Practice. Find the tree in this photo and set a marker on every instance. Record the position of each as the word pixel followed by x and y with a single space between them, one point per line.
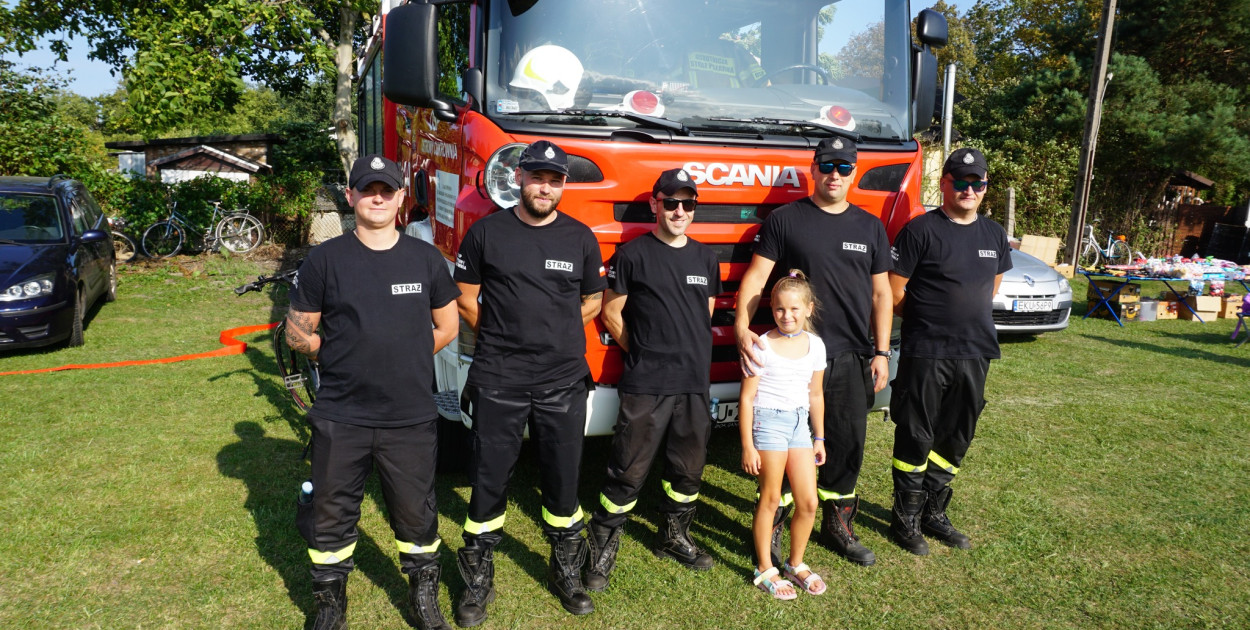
pixel 36 136
pixel 180 60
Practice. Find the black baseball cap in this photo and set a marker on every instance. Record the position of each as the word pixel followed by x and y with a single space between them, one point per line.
pixel 544 156
pixel 375 168
pixel 673 180
pixel 837 149
pixel 965 162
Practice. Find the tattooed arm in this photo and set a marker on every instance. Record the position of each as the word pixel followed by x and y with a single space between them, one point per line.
pixel 591 304
pixel 301 332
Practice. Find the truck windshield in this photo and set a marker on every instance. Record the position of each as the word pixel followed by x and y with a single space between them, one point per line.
pixel 703 65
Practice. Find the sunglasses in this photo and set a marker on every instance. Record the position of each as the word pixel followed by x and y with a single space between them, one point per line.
pixel 686 204
pixel 828 167
pixel 961 185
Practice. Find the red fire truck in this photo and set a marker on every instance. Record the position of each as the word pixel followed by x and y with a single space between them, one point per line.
pixel 738 92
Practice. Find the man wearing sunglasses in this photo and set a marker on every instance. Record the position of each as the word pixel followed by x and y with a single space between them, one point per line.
pixel 844 251
pixel 662 287
pixel 947 267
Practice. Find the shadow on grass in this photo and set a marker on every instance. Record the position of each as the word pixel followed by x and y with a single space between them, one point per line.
pixel 1184 353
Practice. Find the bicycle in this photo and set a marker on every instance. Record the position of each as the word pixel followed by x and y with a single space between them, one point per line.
pixel 300 375
pixel 124 249
pixel 1116 252
pixel 238 232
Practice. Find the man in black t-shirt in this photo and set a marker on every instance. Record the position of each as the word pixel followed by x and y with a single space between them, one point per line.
pixel 540 277
pixel 845 253
pixel 947 267
pixel 662 287
pixel 375 293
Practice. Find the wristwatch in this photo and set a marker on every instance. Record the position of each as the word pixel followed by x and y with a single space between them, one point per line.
pixel 883 353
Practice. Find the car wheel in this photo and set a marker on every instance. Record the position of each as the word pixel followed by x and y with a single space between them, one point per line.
pixel 75 335
pixel 110 295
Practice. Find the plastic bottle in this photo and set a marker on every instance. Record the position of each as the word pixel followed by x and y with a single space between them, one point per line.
pixel 305 492
pixel 713 408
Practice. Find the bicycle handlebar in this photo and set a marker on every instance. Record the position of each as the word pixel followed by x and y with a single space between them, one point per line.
pixel 282 278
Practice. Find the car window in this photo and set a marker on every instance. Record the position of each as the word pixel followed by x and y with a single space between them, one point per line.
pixel 95 216
pixel 78 216
pixel 29 218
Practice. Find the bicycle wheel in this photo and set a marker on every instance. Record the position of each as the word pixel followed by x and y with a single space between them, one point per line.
pixel 162 240
pixel 240 232
pixel 1119 254
pixel 300 375
pixel 1089 257
pixel 124 249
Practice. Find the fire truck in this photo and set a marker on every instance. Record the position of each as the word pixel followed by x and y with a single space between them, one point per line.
pixel 737 92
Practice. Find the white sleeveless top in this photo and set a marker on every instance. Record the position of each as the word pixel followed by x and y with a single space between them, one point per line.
pixel 784 382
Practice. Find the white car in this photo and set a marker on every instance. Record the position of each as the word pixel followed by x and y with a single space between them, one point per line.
pixel 1033 298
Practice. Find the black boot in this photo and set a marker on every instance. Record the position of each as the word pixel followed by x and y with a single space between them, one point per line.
pixel 837 531
pixel 564 572
pixel 935 524
pixel 477 566
pixel 673 540
pixel 423 596
pixel 779 525
pixel 905 521
pixel 604 542
pixel 331 599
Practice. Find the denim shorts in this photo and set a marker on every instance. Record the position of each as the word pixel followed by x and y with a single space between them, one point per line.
pixel 781 429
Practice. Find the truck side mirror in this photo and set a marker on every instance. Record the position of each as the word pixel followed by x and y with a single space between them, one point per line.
pixel 410 62
pixel 931 30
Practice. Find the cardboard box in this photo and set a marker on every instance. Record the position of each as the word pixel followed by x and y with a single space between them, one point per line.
pixel 1231 307
pixel 1127 312
pixel 1045 248
pixel 1130 294
pixel 1167 309
pixel 1208 308
pixel 1065 270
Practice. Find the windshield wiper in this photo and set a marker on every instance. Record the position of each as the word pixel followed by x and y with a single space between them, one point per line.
pixel 5 241
pixel 650 121
pixel 849 135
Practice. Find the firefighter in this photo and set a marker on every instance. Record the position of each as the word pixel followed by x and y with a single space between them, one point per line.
pixel 662 288
pixel 845 252
pixel 375 293
pixel 540 278
pixel 947 267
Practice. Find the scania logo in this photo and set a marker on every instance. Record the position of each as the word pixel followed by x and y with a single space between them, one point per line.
pixel 719 174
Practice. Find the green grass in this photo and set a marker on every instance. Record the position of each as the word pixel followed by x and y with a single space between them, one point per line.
pixel 1106 488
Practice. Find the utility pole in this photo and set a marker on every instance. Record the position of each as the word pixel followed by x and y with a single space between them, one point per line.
pixel 1093 116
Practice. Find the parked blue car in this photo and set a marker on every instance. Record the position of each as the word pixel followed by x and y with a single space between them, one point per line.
pixel 56 260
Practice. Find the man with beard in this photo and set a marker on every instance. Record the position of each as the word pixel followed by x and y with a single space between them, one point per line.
pixel 844 251
pixel 539 274
pixel 658 307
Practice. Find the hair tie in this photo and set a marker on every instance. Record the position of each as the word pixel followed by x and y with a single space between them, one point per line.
pixel 793 275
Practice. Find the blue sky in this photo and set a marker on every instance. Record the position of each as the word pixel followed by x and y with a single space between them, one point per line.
pixel 92 78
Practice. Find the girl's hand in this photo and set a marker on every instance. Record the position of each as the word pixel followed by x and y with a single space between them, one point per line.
pixel 751 460
pixel 819 448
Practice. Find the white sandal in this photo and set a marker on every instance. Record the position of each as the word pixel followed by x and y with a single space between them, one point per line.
pixel 765 583
pixel 813 585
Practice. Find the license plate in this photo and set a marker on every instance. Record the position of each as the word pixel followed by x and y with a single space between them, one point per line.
pixel 1032 306
pixel 726 414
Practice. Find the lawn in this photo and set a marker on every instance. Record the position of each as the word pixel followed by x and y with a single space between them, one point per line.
pixel 1105 489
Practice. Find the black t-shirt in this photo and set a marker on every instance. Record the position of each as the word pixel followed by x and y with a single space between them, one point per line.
pixel 839 253
pixel 948 313
pixel 530 331
pixel 377 351
pixel 666 314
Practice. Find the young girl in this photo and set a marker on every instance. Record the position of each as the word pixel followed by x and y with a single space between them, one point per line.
pixel 776 406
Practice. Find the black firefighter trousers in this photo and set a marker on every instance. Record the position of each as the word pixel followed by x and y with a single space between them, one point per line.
pixel 935 404
pixel 343 456
pixel 683 424
pixel 557 423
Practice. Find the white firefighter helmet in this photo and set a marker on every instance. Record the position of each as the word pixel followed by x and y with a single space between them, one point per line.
pixel 552 71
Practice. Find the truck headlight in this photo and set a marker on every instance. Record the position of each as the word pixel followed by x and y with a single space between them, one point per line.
pixel 500 175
